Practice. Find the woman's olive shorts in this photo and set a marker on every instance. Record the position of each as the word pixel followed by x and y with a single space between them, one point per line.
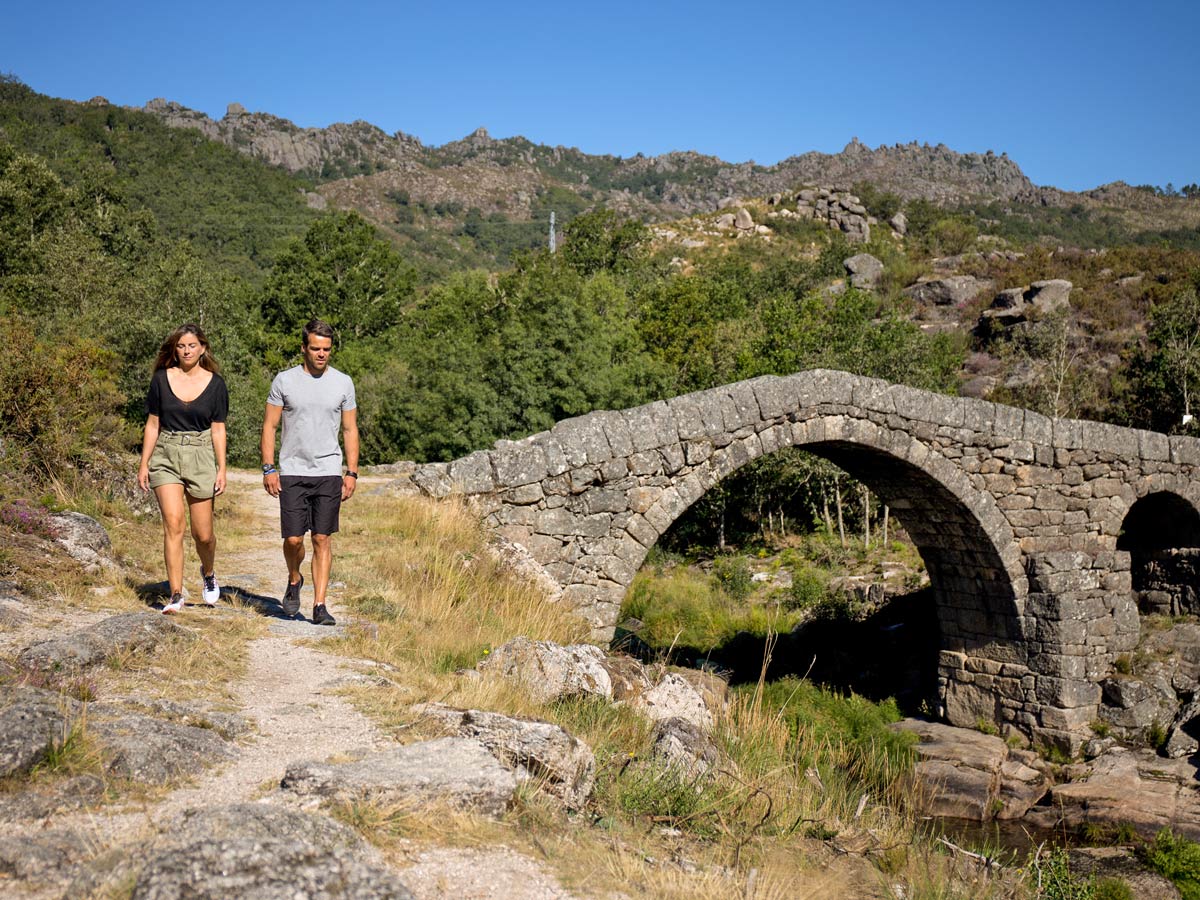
pixel 187 458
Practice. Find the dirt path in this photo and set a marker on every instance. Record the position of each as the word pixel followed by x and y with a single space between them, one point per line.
pixel 288 694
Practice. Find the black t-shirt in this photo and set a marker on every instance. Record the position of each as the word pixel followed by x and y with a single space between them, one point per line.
pixel 196 415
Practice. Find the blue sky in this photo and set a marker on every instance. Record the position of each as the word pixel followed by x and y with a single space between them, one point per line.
pixel 1078 93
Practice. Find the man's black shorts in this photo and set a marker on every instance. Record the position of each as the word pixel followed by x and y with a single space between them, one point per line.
pixel 309 503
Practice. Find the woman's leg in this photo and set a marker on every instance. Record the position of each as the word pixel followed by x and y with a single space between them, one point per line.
pixel 201 512
pixel 171 505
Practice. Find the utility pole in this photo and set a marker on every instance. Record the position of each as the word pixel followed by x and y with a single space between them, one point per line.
pixel 552 246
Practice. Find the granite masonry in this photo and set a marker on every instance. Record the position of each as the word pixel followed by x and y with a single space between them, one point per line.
pixel 1031 528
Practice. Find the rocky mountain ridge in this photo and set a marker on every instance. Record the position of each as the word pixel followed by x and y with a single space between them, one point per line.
pixel 676 183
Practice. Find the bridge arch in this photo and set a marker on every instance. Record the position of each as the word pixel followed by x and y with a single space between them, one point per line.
pixel 1161 533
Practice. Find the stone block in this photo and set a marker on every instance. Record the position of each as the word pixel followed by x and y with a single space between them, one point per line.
pixel 519 462
pixel 651 426
pixel 1072 719
pixel 739 406
pixel 642 531
pixel 524 495
pixel 598 500
pixel 1105 438
pixel 583 440
pixel 473 474
pixel 773 396
pixel 645 463
pixel 688 419
pixel 1185 450
pixel 1037 429
pixel 1067 693
pixel 672 458
pixel 1153 446
pixel 696 452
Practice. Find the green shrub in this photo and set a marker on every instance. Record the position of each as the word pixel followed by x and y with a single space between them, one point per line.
pixel 1178 859
pixel 808 589
pixel 59 401
pixel 733 575
pixel 1052 879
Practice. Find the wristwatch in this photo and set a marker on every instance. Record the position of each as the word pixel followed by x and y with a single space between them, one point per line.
pixel 268 469
pixel 353 475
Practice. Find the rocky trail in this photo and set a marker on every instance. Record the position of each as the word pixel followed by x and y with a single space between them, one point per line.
pixel 289 714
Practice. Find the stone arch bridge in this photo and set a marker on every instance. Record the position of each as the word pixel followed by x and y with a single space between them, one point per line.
pixel 1024 522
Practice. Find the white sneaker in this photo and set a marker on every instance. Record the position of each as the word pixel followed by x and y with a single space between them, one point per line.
pixel 174 605
pixel 211 590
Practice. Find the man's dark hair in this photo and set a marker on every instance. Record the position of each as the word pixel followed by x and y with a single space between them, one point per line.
pixel 317 327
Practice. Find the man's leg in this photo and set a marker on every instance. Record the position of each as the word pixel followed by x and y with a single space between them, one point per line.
pixel 293 555
pixel 322 564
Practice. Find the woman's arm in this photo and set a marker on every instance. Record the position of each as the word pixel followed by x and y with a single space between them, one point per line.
pixel 149 439
pixel 219 441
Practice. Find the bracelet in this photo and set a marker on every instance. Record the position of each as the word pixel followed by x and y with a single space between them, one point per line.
pixel 353 475
pixel 268 469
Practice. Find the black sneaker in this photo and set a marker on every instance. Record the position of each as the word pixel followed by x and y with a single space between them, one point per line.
pixel 321 616
pixel 291 598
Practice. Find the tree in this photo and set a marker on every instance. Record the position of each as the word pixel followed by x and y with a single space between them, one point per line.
pixel 602 240
pixel 339 272
pixel 1175 331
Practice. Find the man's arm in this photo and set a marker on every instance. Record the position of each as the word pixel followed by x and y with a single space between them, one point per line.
pixel 350 440
pixel 267 445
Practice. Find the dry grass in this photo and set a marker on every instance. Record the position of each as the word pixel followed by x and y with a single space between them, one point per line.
pixel 421 572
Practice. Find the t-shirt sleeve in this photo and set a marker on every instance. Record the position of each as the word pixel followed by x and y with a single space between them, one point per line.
pixel 275 395
pixel 348 401
pixel 220 410
pixel 154 396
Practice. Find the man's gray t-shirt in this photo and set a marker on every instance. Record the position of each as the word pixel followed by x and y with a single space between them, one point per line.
pixel 312 419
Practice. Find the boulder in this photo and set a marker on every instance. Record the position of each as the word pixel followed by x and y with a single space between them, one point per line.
pixel 712 688
pixel 83 538
pixel 32 721
pixel 952 290
pixel 1130 706
pixel 458 771
pixel 154 751
pixel 725 221
pixel 1183 735
pixel 684 748
pixel 1135 787
pixel 899 223
pixel 964 774
pixel 1049 296
pixel 743 220
pixel 628 676
pixel 43 856
pixel 550 671
pixel 124 633
pixel 537 751
pixel 674 697
pixel 864 270
pixel 249 850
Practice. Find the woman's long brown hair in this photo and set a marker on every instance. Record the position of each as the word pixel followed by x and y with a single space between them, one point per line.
pixel 166 353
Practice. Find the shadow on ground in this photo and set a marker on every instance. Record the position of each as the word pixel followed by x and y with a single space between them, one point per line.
pixel 891 653
pixel 155 594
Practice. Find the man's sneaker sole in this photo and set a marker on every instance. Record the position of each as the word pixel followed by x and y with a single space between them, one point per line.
pixel 210 597
pixel 291 598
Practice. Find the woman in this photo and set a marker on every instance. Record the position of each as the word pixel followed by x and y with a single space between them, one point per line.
pixel 183 453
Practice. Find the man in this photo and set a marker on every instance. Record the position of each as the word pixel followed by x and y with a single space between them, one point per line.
pixel 314 401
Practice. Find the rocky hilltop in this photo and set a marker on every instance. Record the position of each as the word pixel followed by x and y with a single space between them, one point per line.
pixel 491 173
